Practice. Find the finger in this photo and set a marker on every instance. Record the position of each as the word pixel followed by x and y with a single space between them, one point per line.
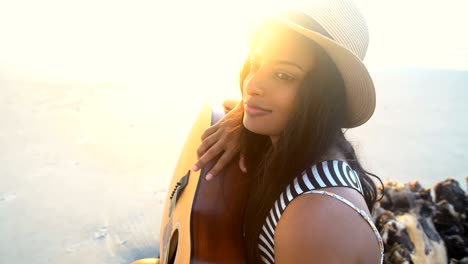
pixel 207 143
pixel 242 164
pixel 209 131
pixel 220 164
pixel 209 155
pixel 229 104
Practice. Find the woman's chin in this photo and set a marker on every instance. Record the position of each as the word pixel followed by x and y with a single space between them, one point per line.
pixel 255 127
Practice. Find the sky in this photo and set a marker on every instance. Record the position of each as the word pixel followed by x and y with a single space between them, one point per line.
pixel 154 42
pixel 417 33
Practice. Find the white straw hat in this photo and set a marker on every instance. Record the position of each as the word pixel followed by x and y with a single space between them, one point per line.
pixel 341 30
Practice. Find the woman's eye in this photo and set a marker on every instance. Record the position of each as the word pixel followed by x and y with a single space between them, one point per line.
pixel 284 76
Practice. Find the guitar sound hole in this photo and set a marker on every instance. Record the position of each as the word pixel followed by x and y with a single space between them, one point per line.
pixel 173 246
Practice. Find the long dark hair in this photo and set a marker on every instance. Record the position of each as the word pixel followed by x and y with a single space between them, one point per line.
pixel 314 127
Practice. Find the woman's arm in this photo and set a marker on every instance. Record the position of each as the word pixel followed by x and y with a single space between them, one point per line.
pixel 222 137
pixel 319 229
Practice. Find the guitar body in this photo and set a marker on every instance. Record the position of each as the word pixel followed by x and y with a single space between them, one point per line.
pixel 202 220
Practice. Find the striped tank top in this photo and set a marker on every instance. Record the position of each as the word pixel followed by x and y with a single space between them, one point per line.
pixel 329 173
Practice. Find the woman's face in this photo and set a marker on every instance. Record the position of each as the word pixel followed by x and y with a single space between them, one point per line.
pixel 278 66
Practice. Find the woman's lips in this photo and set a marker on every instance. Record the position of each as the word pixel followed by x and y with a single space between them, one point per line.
pixel 255 111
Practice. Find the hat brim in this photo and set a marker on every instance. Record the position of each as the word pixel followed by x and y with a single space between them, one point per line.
pixel 360 90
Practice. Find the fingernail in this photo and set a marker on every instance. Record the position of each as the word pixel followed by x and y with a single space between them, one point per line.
pixel 195 167
pixel 209 176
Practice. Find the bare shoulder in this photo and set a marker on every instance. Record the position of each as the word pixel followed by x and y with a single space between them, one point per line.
pixel 323 229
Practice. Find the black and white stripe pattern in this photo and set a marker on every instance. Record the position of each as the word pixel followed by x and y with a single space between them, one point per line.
pixel 330 173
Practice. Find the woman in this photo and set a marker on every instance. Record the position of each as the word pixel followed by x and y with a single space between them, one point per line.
pixel 309 199
pixel 302 83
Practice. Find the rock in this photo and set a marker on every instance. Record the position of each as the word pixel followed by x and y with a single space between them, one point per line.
pixel 450 218
pixel 397 198
pixel 417 229
pixel 398 245
pixel 397 255
pixel 450 191
pixel 462 261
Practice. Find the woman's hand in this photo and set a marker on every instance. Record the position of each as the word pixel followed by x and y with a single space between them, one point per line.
pixel 224 136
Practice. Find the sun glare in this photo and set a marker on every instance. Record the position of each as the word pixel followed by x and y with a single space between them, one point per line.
pixel 196 47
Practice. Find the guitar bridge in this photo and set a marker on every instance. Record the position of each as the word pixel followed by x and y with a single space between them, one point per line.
pixel 178 188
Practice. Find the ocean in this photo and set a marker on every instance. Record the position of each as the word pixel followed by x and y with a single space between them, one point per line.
pixel 419 130
pixel 84 168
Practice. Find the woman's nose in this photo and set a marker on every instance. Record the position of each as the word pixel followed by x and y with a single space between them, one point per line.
pixel 255 86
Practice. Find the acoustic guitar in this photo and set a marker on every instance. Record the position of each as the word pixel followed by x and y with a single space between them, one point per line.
pixel 202 220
